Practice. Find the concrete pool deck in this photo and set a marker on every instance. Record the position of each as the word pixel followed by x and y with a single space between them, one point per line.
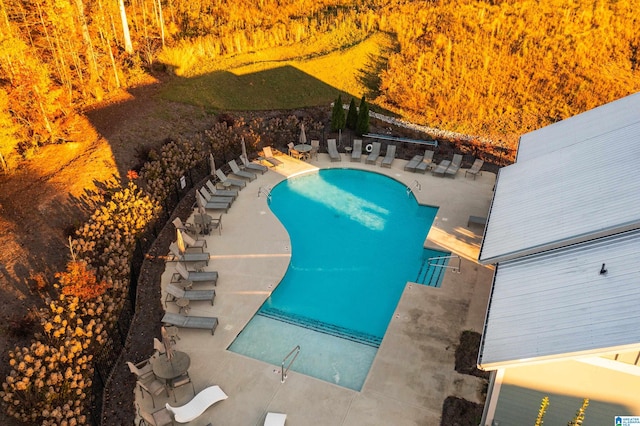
pixel 413 371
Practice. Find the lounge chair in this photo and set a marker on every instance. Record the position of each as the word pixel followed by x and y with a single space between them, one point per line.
pixel 372 158
pixel 315 148
pixel 275 419
pixel 253 166
pixel 426 163
pixel 192 243
pixel 211 205
pixel 233 193
pixel 203 323
pixel 197 261
pixel 230 182
pixel 413 163
pixel 441 168
pixel 475 168
pixel 174 293
pixel 235 169
pixel 334 155
pixel 356 154
pixel 198 405
pixel 389 156
pixel 214 198
pixel 269 158
pixel 187 278
pixel 454 166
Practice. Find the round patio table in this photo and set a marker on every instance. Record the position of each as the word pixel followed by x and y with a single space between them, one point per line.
pixel 169 369
pixel 303 148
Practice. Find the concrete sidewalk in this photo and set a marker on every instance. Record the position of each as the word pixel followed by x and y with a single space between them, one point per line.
pixel 413 371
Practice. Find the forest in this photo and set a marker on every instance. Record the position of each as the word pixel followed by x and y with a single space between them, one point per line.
pixel 492 69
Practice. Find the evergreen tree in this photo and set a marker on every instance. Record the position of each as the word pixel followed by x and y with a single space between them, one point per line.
pixel 338 119
pixel 362 126
pixel 352 115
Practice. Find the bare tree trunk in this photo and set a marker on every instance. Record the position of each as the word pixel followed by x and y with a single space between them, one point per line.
pixel 91 57
pixel 106 40
pixel 128 47
pixel 161 22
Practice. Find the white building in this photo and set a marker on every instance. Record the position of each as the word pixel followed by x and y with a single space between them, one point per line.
pixel 563 318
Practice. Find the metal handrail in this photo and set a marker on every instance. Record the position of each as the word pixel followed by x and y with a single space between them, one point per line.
pixel 265 190
pixel 452 256
pixel 285 371
pixel 414 184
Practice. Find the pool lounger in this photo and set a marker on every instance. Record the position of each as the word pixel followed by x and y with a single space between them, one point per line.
pixel 203 323
pixel 198 405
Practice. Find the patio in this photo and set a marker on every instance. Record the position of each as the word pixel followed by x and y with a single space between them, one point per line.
pixel 413 371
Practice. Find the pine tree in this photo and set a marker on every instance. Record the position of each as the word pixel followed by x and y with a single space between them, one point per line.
pixel 338 119
pixel 362 126
pixel 352 115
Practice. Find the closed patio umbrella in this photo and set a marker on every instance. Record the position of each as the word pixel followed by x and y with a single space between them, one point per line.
pixel 244 150
pixel 212 165
pixel 303 135
pixel 180 241
pixel 166 341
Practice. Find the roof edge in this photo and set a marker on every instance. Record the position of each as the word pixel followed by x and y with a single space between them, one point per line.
pixel 488 366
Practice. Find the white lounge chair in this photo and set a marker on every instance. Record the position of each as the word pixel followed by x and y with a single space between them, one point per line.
pixel 275 419
pixel 235 169
pixel 426 163
pixel 203 323
pixel 227 181
pixel 356 154
pixel 389 156
pixel 475 168
pixel 198 405
pixel 454 166
pixel 233 193
pixel 269 158
pixel 372 158
pixel 174 292
pixel 334 155
pixel 186 278
pixel 253 166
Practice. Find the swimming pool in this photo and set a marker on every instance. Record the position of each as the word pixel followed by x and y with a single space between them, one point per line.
pixel 357 238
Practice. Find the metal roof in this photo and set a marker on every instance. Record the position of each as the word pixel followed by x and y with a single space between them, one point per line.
pixel 607 118
pixel 567 195
pixel 557 304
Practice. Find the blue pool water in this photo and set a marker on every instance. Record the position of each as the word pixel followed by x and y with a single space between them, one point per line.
pixel 356 238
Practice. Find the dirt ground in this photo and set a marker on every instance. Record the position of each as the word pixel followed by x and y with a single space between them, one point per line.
pixel 51 194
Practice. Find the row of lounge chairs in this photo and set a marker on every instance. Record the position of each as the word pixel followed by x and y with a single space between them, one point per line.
pixel 356 153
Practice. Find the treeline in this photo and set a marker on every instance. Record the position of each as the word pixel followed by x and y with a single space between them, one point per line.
pixel 494 69
pixel 500 69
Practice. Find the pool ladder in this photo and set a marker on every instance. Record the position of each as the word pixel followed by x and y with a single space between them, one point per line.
pixel 415 184
pixel 291 356
pixel 266 191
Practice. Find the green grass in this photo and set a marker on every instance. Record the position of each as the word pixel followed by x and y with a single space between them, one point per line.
pixel 264 80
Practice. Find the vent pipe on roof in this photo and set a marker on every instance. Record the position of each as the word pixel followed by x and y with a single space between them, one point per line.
pixel 603 271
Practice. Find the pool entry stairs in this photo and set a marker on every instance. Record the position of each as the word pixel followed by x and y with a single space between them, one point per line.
pixel 433 268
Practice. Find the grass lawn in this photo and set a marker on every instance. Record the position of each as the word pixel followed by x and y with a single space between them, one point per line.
pixel 277 79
